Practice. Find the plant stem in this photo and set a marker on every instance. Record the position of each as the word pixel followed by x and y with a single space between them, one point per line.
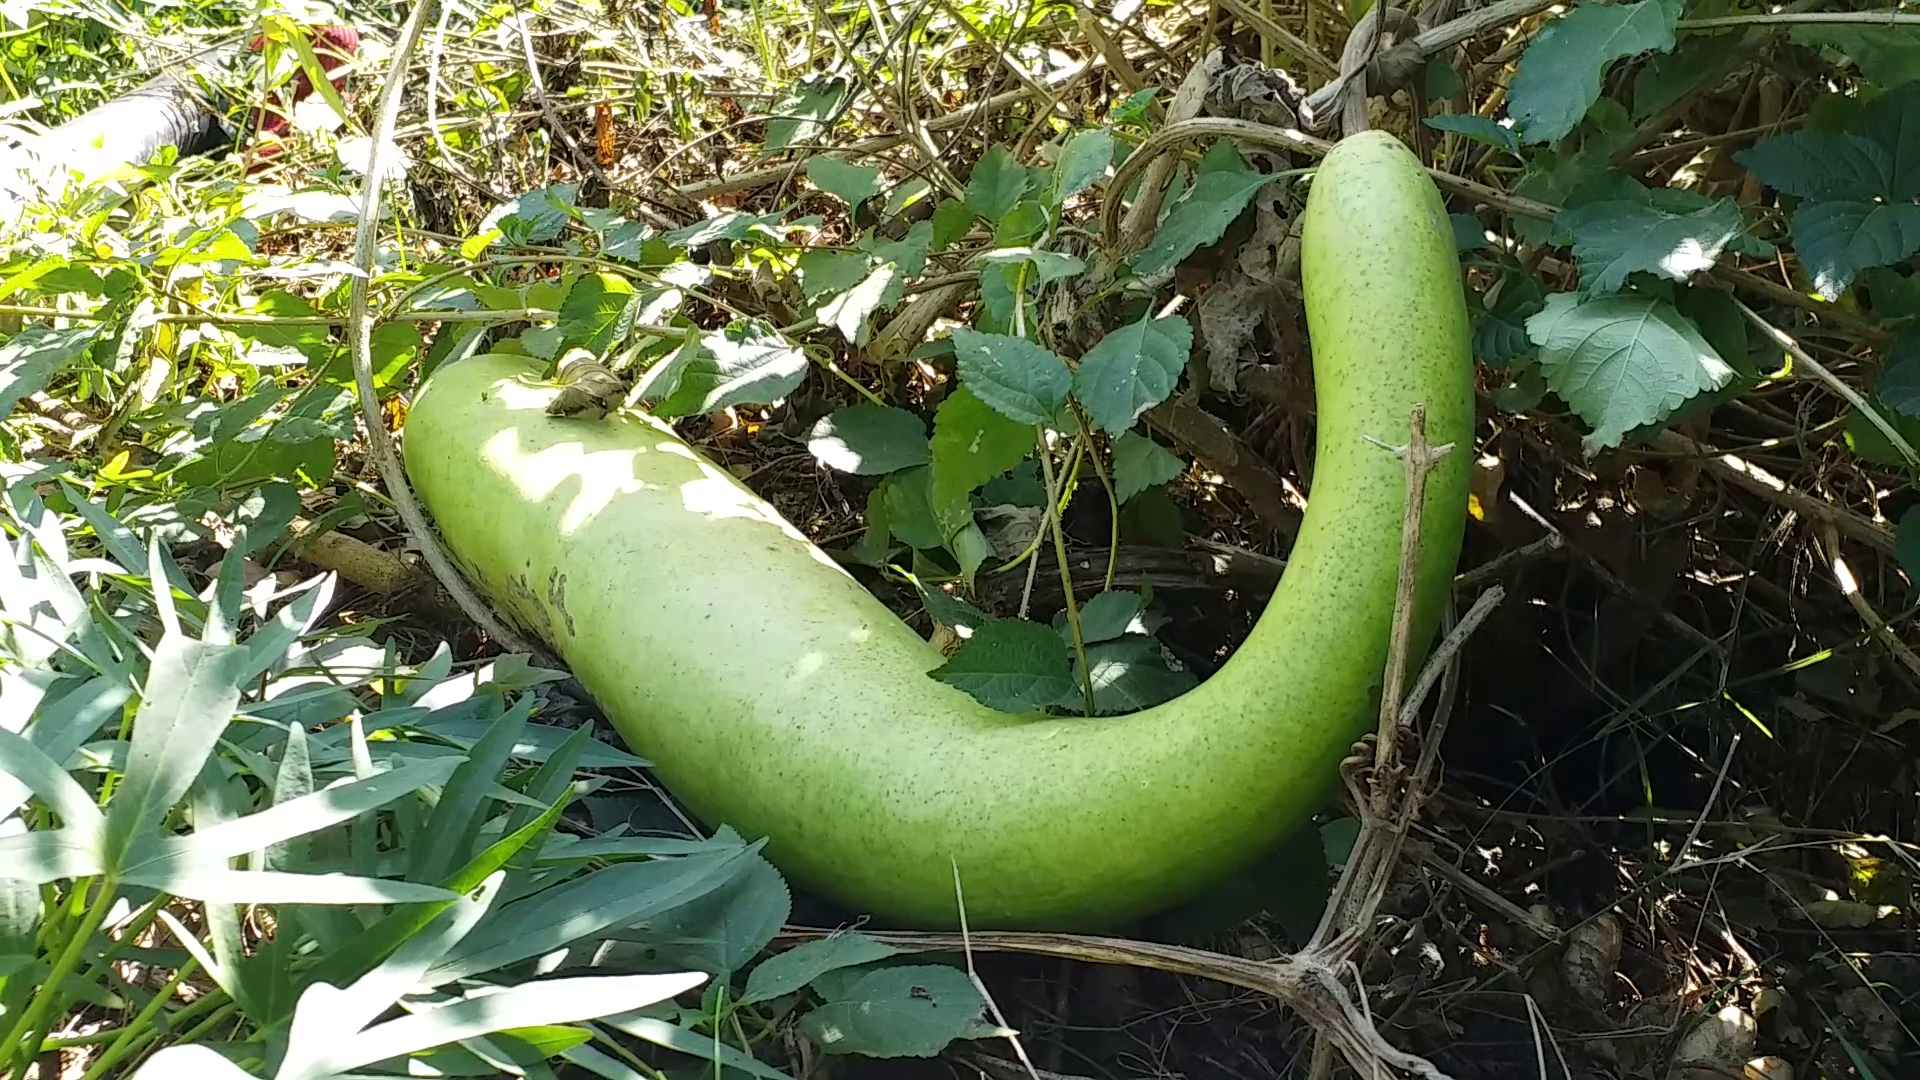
pixel 1066 571
pixel 27 1033
pixel 1886 17
pixel 138 1034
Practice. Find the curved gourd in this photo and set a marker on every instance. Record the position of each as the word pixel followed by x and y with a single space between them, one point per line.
pixel 778 695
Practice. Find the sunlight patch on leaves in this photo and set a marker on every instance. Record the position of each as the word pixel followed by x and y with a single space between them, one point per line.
pixel 1613 240
pixel 1837 240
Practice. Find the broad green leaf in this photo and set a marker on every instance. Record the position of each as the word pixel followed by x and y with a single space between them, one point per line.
pixel 734 226
pixel 1666 78
pixel 868 440
pixel 1821 165
pixel 1887 55
pixel 531 1004
pixel 1613 240
pixel 823 272
pixel 972 444
pixel 952 220
pixel 1022 226
pixel 1012 665
pixel 1500 336
pixel 36 354
pixel 913 1010
pixel 851 184
pixel 1892 121
pixel 802 113
pixel 947 609
pixel 1140 463
pixel 587 906
pixel 534 217
pixel 1083 161
pixel 1560 73
pixel 1837 240
pixel 909 509
pixel 745 364
pixel 190 695
pixel 1622 362
pixel 849 312
pixel 908 254
pixel 1899 382
pixel 1047 266
pixel 1132 369
pixel 1107 615
pixel 1199 219
pixel 996 185
pixel 1132 673
pixel 597 312
pixel 25 768
pixel 1016 378
pixel 65 724
pixel 316 811
pixel 1481 129
pixel 784 973
pixel 722 931
pixel 693 1043
pixel 1906 543
pixel 1869 443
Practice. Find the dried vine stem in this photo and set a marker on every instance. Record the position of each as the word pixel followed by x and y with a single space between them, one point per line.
pixel 1307 982
pixel 360 337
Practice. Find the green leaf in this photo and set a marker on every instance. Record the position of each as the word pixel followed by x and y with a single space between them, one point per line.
pixel 952 220
pixel 913 1010
pixel 1131 674
pixel 849 312
pixel 1869 443
pixel 1048 266
pixel 312 812
pixel 908 254
pixel 1821 165
pixel 1012 665
pixel 1083 161
pixel 1107 615
pixel 1892 121
pixel 692 1043
pixel 722 930
pixel 745 364
pixel 786 972
pixel 1899 382
pixel 1132 369
pixel 1887 55
pixel 823 271
pixel 1481 129
pixel 996 185
pixel 35 355
pixel 1560 73
pixel 1500 336
pixel 1140 463
pixel 196 879
pixel 49 855
pixel 909 509
pixel 531 1004
pixel 597 312
pixel 1016 378
pixel 868 440
pixel 1665 79
pixel 1906 543
pixel 1614 240
pixel 583 907
pixel 1837 240
pixel 534 217
pixel 973 444
pixel 802 113
pixel 1021 226
pixel 26 768
pixel 19 926
pixel 464 804
pixel 1622 362
pixel 1199 219
pixel 190 695
pixel 851 184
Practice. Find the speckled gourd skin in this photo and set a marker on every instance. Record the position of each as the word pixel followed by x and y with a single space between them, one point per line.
pixel 777 695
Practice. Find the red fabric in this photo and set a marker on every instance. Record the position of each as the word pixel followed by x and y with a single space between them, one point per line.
pixel 331 44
